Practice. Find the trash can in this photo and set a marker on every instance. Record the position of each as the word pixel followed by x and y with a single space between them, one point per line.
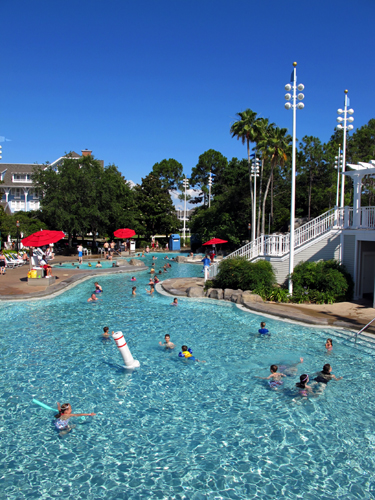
pixel 132 246
pixel 174 242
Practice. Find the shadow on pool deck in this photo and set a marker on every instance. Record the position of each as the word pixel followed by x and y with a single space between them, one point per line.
pixel 352 315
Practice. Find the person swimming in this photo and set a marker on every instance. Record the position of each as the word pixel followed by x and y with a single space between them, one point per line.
pixel 63 417
pixel 263 330
pixel 302 385
pixel 134 290
pixel 274 378
pixel 325 375
pixel 329 344
pixel 175 302
pixel 133 278
pixel 187 353
pixel 98 288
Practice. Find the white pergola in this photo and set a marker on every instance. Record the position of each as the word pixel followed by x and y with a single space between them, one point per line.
pixel 357 173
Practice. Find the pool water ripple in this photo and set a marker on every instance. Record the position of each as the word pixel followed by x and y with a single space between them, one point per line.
pixel 177 429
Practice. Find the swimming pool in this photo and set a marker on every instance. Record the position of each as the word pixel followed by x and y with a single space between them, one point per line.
pixel 106 264
pixel 176 429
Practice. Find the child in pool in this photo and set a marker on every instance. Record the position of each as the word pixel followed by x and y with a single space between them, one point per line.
pixel 188 354
pixel 156 280
pixel 62 418
pixel 106 332
pixel 133 278
pixel 152 270
pixel 175 302
pixel 133 290
pixel 263 330
pixel 274 378
pixel 152 289
pixel 325 375
pixel 89 264
pixel 329 345
pixel 98 288
pixel 304 389
pixel 167 344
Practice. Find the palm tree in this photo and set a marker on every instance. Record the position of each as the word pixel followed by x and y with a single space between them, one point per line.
pixel 245 130
pixel 275 145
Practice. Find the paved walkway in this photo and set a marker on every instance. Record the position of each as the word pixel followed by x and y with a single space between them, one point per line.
pixel 352 315
pixel 14 286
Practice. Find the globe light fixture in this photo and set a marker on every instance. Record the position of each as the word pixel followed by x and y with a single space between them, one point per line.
pixel 209 190
pixel 293 105
pixel 343 125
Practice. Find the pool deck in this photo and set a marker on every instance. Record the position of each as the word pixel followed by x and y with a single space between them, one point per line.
pixel 14 286
pixel 351 315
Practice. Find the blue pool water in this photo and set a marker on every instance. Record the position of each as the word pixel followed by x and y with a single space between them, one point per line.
pixel 174 429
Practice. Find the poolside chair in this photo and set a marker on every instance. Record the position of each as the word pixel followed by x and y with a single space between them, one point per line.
pixel 13 256
pixel 10 262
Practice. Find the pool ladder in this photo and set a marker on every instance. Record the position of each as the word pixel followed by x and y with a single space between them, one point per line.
pixel 364 328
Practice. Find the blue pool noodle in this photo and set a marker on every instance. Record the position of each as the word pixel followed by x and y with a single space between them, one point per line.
pixel 44 406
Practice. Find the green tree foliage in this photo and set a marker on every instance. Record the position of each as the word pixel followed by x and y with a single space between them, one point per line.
pixel 82 196
pixel 210 161
pixel 169 173
pixel 157 212
pixel 239 273
pixel 29 224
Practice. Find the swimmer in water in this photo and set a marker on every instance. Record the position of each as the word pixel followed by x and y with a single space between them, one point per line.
pixel 156 280
pixel 89 264
pixel 304 389
pixel 175 302
pixel 134 290
pixel 133 278
pixel 329 345
pixel 106 332
pixel 98 288
pixel 274 378
pixel 167 342
pixel 62 418
pixel 188 354
pixel 152 270
pixel 152 289
pixel 98 264
pixel 325 375
pixel 263 330
pixel 93 298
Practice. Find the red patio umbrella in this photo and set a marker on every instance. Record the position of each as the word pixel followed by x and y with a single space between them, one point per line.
pixel 124 233
pixel 41 238
pixel 215 241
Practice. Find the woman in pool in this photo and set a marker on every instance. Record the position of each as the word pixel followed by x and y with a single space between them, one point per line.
pixel 329 345
pixel 152 289
pixel 325 375
pixel 62 418
pixel 304 389
pixel 133 278
pixel 134 290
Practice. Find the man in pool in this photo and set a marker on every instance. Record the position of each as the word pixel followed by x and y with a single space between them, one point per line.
pixel 167 343
pixel 93 298
pixel 98 264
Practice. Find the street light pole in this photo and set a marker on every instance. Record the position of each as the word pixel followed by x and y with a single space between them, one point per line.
pixel 249 229
pixel 209 190
pixel 294 105
pixel 338 163
pixel 185 183
pixel 254 173
pixel 18 234
pixel 344 127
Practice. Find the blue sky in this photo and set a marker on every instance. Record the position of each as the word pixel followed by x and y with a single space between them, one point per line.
pixel 140 81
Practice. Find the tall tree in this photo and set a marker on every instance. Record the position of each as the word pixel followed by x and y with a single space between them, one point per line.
pixel 245 130
pixel 210 161
pixel 157 212
pixel 169 173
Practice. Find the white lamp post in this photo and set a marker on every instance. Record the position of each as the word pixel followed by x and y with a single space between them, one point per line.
pixel 185 183
pixel 338 164
pixel 293 105
pixel 344 127
pixel 254 173
pixel 209 190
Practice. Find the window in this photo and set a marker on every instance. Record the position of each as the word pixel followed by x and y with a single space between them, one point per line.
pixel 16 192
pixel 22 178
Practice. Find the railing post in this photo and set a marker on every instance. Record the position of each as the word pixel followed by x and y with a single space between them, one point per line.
pixel 346 217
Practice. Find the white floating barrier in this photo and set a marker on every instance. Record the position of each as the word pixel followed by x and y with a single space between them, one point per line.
pixel 129 361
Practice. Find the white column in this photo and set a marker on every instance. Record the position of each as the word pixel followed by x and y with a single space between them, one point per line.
pixel 357 180
pixel 293 196
pixel 344 152
pixel 25 192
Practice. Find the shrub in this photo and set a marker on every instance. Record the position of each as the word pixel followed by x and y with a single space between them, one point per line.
pixel 239 273
pixel 321 282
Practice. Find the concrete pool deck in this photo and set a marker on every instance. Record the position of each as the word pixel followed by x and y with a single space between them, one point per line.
pixel 14 286
pixel 352 315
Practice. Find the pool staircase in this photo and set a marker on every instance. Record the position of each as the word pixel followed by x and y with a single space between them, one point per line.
pixel 317 239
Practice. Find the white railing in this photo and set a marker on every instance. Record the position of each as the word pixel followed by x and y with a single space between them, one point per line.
pixel 277 245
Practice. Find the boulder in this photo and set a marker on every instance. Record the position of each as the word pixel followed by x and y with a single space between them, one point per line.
pixel 250 297
pixel 180 259
pixel 215 293
pixel 135 262
pixel 195 291
pixel 236 297
pixel 228 293
pixel 207 292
